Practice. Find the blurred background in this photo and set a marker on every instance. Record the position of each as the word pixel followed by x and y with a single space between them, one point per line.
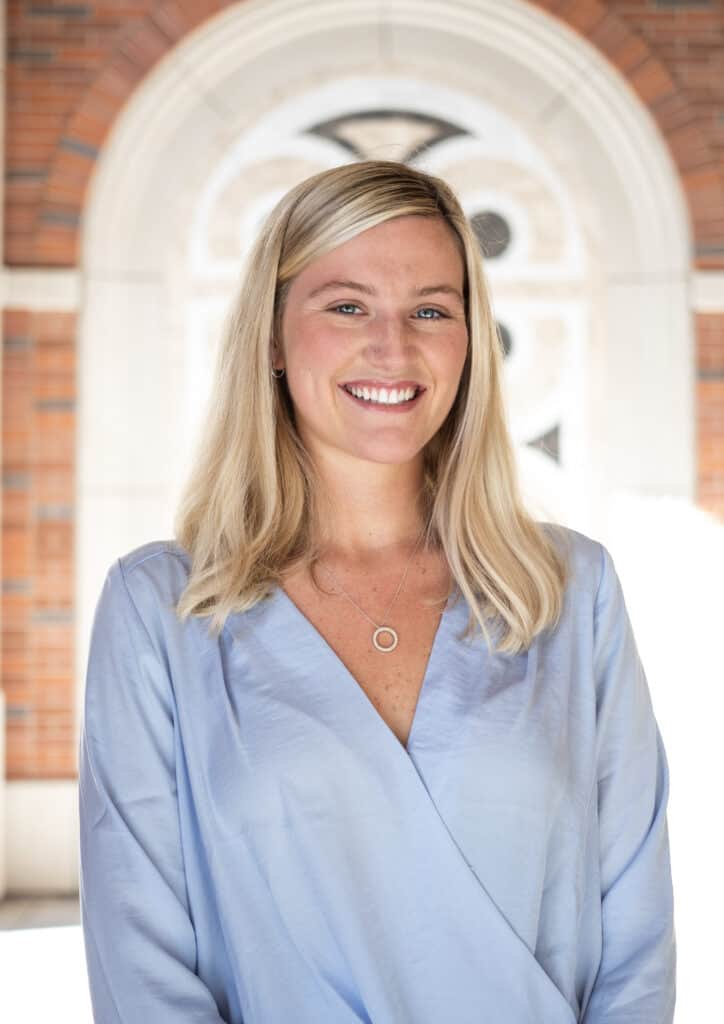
pixel 143 142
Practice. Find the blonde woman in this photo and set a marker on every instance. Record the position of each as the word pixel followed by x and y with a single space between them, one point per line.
pixel 365 742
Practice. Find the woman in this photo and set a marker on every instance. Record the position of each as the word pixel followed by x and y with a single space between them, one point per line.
pixel 365 742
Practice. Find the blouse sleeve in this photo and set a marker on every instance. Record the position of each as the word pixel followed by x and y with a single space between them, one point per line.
pixel 636 978
pixel 139 938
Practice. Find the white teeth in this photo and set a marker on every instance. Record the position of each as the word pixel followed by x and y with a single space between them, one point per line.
pixel 382 395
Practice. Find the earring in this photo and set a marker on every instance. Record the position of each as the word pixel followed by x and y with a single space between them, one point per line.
pixel 277 373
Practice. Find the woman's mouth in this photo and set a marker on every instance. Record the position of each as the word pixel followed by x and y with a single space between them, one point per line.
pixel 383 399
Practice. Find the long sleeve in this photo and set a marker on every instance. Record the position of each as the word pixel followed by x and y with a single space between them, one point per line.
pixel 636 981
pixel 139 938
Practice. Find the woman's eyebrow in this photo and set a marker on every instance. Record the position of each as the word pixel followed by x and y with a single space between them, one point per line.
pixel 446 289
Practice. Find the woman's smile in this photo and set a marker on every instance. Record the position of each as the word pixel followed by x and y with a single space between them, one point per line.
pixel 383 399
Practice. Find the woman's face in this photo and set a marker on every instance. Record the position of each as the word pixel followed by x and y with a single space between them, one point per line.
pixel 385 310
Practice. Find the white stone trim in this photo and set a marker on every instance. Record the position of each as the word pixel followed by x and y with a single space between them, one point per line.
pixel 707 291
pixel 42 836
pixel 40 289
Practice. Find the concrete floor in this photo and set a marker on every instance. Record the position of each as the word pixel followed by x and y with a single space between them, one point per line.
pixel 43 966
pixel 38 912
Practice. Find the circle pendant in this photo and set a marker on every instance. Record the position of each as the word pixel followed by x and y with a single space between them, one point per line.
pixel 391 632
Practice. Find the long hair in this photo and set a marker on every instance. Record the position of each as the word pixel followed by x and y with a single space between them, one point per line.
pixel 247 511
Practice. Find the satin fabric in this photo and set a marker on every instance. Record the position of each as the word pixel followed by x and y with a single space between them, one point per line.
pixel 257 845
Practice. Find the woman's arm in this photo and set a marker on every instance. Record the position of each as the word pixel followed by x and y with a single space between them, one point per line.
pixel 139 939
pixel 636 980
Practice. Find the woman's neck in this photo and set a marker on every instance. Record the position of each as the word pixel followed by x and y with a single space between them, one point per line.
pixel 371 513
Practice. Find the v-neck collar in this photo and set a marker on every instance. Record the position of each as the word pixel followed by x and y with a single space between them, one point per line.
pixel 428 680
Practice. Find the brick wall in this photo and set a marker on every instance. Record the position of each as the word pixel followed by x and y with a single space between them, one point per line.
pixel 688 40
pixel 71 67
pixel 710 411
pixel 38 542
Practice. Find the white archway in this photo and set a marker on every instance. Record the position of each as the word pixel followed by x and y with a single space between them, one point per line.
pixel 239 69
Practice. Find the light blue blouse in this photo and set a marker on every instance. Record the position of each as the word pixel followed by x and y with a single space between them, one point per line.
pixel 257 845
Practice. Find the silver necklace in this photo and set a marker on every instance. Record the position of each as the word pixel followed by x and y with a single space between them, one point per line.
pixel 380 630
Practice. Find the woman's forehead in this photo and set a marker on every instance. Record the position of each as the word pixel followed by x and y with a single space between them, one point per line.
pixel 413 250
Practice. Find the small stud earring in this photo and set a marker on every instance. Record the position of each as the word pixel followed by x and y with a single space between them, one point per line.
pixel 277 373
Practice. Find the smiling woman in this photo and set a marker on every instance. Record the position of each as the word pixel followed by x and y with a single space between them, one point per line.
pixel 428 788
pixel 368 276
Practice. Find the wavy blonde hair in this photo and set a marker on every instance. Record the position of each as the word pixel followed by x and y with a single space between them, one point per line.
pixel 246 513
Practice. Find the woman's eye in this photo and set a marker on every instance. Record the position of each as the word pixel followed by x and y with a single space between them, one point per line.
pixel 430 309
pixel 342 305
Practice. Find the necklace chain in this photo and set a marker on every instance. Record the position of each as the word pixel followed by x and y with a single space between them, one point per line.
pixel 378 627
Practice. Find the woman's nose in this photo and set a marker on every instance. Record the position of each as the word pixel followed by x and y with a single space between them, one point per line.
pixel 389 335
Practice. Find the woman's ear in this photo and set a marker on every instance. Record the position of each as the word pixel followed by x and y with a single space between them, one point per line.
pixel 276 356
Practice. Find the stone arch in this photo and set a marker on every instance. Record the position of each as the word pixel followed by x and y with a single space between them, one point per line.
pixel 156 34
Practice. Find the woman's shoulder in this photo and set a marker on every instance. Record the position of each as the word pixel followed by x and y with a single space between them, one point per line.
pixel 153 575
pixel 583 554
pixel 155 557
